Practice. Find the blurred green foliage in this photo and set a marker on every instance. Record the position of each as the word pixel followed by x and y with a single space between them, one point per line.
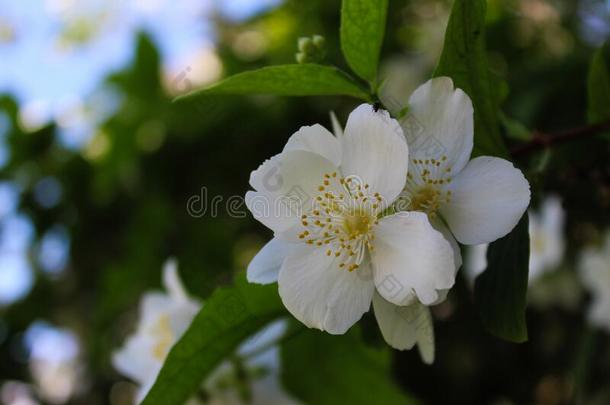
pixel 125 196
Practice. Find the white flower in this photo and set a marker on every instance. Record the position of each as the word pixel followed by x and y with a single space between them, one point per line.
pixel 164 317
pixel 260 358
pixel 547 242
pixel 163 320
pixel 55 362
pixel 337 246
pixel 594 270
pixel 479 200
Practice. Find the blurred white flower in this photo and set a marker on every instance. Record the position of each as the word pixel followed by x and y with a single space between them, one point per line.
pixel 164 317
pixel 17 393
pixel 547 242
pixel 475 261
pixel 337 248
pixel 260 364
pixel 54 362
pixel 547 239
pixel 594 271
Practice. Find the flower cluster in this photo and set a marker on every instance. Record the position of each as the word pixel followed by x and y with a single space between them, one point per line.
pixel 547 242
pixel 373 214
pixel 164 317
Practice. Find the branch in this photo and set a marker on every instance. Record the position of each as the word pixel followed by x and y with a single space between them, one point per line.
pixel 542 140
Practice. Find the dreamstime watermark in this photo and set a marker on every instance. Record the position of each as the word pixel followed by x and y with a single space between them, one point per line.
pixel 295 203
pixel 200 205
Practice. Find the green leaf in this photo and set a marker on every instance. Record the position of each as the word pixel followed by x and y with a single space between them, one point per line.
pixel 362 29
pixel 284 80
pixel 598 86
pixel 500 291
pixel 324 369
pixel 515 129
pixel 464 59
pixel 228 317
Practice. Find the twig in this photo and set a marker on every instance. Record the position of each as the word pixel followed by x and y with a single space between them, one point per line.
pixel 542 140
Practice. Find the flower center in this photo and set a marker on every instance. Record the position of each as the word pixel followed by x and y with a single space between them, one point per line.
pixel 164 337
pixel 358 222
pixel 342 218
pixel 426 186
pixel 538 241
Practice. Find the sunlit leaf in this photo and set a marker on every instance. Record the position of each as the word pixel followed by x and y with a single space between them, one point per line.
pixel 284 80
pixel 362 29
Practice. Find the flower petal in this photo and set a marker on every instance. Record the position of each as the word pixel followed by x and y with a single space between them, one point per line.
pixel 425 335
pixel 172 282
pixel 265 266
pixel 438 224
pixel 404 326
pixel 476 261
pixel 337 129
pixel 320 294
pixel 271 211
pixel 488 198
pixel 411 257
pixel 316 139
pixel 375 151
pixel 266 178
pixel 395 322
pixel 292 180
pixel 595 275
pixel 135 361
pixel 440 122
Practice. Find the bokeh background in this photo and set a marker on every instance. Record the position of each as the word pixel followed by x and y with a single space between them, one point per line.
pixel 102 179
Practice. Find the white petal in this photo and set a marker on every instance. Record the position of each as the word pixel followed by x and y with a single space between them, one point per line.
pixel 181 316
pixel 397 323
pixel 296 182
pixel 440 122
pixel 594 271
pixel 411 257
pixel 273 211
pixel 265 266
pixel 488 198
pixel 318 140
pixel 265 338
pixel 152 305
pixel 403 326
pixel 553 215
pixel 302 174
pixel 598 313
pixel 438 224
pixel 266 178
pixel 425 335
pixel 134 360
pixel 320 294
pixel 337 129
pixel 546 238
pixel 172 282
pixel 375 151
pixel 476 261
